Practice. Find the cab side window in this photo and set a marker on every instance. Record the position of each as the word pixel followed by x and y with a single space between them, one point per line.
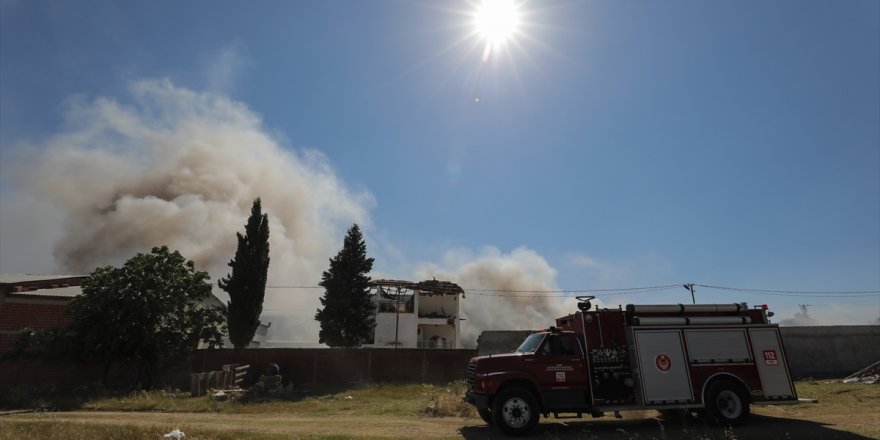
pixel 558 345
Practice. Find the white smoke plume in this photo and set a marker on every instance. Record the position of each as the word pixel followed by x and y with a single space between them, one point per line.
pixel 799 320
pixel 171 166
pixel 180 168
pixel 520 270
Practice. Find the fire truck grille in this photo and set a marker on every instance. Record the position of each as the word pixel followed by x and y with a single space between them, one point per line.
pixel 471 371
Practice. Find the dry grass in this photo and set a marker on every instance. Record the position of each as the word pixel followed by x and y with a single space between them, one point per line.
pixel 853 408
pixel 78 431
pixel 846 412
pixel 374 399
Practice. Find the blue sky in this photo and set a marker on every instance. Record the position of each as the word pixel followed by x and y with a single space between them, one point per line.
pixel 625 143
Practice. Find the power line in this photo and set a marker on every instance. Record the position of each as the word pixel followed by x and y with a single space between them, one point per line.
pixel 627 289
pixel 566 293
pixel 800 293
pixel 516 293
pixel 535 293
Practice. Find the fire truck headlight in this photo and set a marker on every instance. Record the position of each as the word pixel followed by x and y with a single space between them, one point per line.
pixel 485 385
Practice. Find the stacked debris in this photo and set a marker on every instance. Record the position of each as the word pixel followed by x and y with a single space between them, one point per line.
pixel 270 385
pixel 868 375
pixel 219 383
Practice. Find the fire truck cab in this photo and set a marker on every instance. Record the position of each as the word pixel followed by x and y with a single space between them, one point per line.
pixel 719 358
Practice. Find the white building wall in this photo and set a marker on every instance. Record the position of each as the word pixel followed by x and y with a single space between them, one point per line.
pixel 407 330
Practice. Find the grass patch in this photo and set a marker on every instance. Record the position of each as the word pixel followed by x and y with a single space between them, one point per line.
pixel 81 431
pixel 835 392
pixel 853 407
pixel 51 397
pixel 408 410
pixel 161 400
pixel 373 399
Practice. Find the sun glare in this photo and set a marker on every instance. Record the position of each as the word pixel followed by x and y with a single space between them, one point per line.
pixel 497 21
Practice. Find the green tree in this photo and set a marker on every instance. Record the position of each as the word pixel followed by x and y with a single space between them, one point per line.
pixel 347 317
pixel 153 310
pixel 246 284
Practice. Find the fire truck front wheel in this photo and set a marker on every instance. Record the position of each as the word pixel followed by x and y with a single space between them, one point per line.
pixel 515 411
pixel 726 403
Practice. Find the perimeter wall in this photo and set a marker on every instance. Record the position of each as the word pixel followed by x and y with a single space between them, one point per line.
pixel 820 352
pixel 343 366
pixel 831 351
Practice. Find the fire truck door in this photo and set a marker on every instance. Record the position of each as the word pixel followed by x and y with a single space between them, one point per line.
pixel 560 370
pixel 664 372
pixel 775 378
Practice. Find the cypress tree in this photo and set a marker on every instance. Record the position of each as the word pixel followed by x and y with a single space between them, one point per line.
pixel 246 284
pixel 347 317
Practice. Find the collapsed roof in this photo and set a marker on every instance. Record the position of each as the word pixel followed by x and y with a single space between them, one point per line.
pixel 430 287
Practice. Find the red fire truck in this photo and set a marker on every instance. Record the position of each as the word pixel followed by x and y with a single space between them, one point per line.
pixel 718 358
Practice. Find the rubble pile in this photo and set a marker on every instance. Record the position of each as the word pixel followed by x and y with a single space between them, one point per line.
pixel 868 375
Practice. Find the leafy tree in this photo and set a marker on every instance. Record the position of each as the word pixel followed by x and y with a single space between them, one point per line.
pixel 151 310
pixel 246 284
pixel 347 317
pixel 55 344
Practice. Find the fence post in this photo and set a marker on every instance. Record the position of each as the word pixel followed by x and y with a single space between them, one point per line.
pixel 315 367
pixel 370 365
pixel 424 364
pixel 197 383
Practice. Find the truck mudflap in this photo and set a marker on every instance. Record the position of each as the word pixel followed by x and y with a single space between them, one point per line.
pixel 480 401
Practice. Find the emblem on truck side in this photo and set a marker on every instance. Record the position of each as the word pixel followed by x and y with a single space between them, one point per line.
pixel 663 363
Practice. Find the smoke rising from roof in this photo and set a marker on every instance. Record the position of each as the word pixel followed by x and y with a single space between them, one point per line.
pixel 522 269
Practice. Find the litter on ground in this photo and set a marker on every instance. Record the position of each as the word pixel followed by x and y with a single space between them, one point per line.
pixel 177 434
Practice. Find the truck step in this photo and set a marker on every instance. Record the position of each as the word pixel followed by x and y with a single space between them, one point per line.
pixel 557 416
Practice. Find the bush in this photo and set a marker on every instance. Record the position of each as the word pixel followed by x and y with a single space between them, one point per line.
pixel 50 396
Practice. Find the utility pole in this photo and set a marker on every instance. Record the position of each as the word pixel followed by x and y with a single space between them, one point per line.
pixel 690 286
pixel 397 319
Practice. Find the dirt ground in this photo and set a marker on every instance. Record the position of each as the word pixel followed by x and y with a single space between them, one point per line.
pixel 766 423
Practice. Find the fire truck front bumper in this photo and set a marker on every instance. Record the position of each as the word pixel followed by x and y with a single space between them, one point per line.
pixel 480 401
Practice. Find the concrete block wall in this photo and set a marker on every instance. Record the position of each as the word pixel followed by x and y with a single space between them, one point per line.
pixel 16 313
pixel 344 366
pixel 22 372
pixel 831 351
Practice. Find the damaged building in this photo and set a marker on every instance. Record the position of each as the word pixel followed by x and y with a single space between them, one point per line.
pixel 425 314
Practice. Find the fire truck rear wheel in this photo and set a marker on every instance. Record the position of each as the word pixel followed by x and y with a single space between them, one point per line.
pixel 486 415
pixel 515 411
pixel 726 403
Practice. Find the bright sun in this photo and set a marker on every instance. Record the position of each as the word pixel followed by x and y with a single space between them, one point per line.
pixel 497 21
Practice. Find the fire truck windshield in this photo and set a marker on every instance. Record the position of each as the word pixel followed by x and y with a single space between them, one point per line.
pixel 531 343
